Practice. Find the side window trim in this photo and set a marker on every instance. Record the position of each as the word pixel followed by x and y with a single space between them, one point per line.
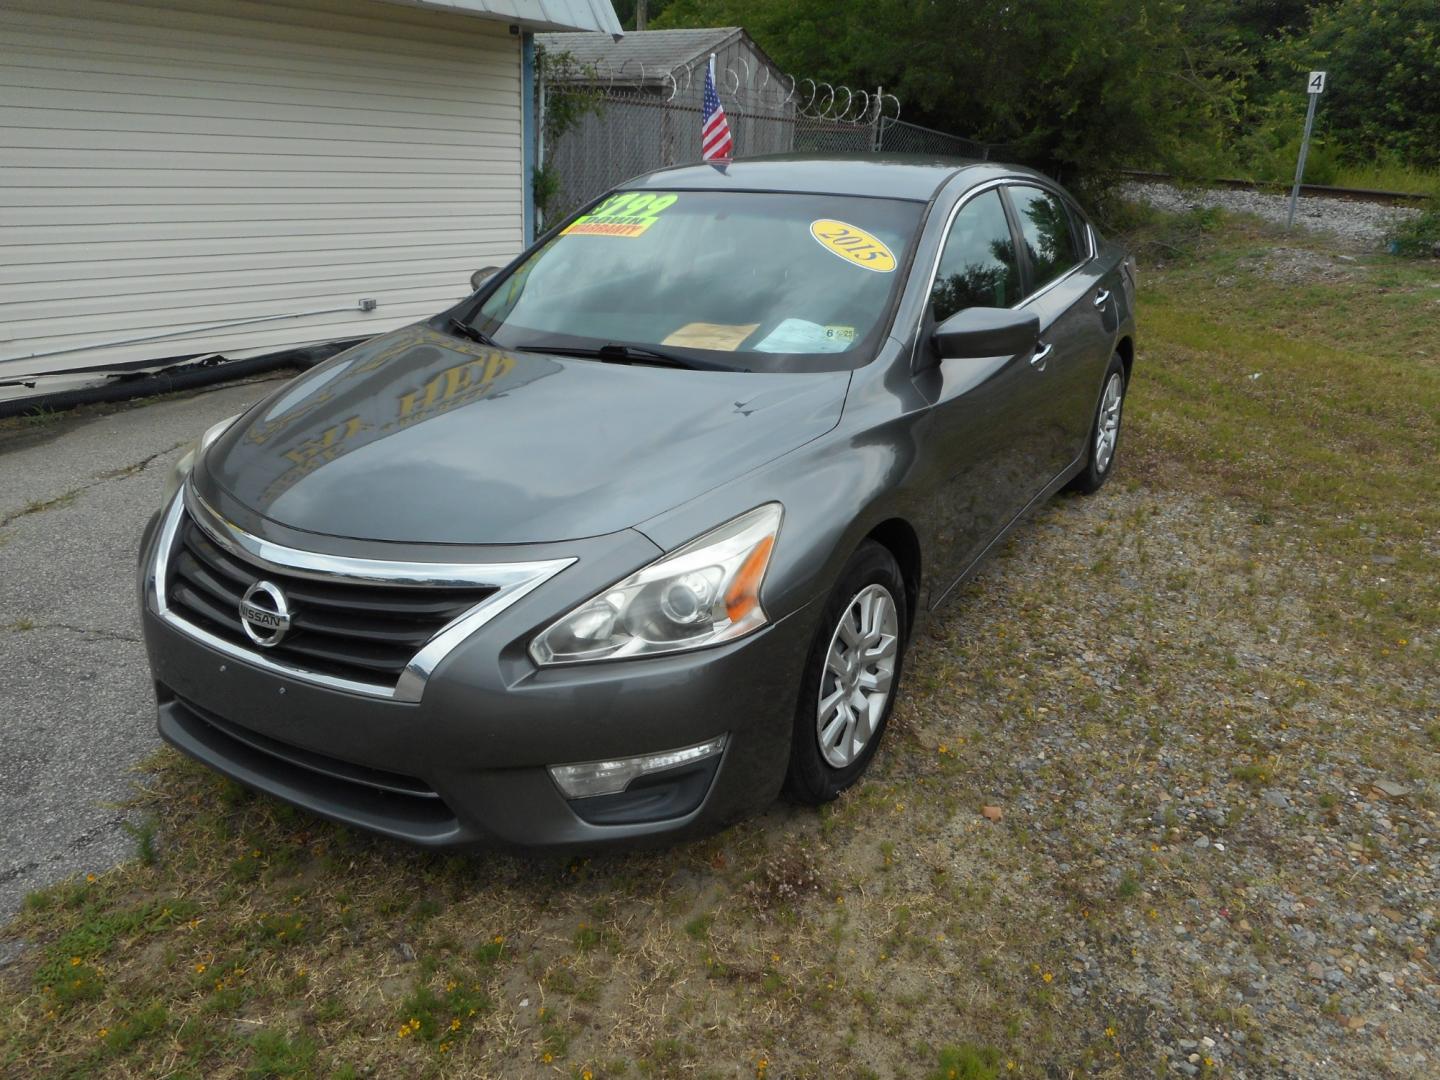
pixel 1017 238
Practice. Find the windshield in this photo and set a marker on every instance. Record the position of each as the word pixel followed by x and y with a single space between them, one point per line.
pixel 746 280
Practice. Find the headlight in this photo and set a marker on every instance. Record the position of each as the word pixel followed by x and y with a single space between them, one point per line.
pixel 702 594
pixel 181 469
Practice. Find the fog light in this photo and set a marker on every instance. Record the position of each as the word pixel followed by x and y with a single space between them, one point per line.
pixel 610 777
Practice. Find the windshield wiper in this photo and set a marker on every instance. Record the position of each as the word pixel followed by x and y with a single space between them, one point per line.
pixel 465 330
pixel 613 354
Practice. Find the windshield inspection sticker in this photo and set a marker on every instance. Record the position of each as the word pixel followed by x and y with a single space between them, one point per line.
pixel 627 215
pixel 804 336
pixel 853 245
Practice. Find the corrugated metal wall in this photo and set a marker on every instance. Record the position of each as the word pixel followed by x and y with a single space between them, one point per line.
pixel 171 164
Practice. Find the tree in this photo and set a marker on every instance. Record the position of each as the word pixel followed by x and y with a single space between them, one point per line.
pixel 1382 95
pixel 1074 87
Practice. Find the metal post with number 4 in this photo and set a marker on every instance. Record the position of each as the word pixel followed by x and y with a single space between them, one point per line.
pixel 1314 87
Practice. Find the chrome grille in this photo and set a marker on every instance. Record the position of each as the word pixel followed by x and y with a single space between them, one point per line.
pixel 361 632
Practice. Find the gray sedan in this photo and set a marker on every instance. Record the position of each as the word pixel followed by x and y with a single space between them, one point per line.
pixel 635 537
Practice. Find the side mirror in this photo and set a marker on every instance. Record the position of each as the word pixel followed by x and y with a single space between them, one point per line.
pixel 986 331
pixel 484 274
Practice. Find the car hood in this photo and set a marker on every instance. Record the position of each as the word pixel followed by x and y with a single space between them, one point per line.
pixel 419 437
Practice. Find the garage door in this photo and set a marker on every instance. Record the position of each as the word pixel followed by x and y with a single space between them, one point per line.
pixel 226 176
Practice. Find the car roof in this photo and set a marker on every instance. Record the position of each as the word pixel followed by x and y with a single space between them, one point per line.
pixel 893 176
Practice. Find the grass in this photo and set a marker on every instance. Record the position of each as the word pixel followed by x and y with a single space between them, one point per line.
pixel 1390 176
pixel 1216 621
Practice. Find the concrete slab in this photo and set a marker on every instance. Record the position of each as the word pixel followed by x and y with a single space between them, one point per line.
pixel 76 710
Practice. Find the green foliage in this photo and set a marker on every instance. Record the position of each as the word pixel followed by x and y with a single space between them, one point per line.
pixel 574 92
pixel 1418 236
pixel 1383 64
pixel 967 1062
pixel 1077 88
pixel 1084 89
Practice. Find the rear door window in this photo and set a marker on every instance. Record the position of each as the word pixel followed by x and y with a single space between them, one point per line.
pixel 1051 242
pixel 978 267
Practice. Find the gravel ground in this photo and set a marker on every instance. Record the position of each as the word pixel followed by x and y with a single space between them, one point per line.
pixel 1361 226
pixel 76 710
pixel 1279 874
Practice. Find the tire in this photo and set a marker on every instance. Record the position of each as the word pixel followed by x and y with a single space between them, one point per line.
pixel 870 583
pixel 1100 457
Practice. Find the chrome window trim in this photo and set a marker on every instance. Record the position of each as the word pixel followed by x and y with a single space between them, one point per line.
pixel 511 582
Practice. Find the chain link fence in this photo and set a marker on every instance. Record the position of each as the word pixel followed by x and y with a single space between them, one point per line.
pixel 614 133
pixel 898 137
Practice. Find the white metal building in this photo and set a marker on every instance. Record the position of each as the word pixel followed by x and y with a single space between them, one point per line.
pixel 183 177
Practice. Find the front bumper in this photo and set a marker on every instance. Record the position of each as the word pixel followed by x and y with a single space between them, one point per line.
pixel 466 766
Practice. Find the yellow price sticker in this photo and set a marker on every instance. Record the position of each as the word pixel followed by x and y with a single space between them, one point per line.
pixel 853 244
pixel 628 214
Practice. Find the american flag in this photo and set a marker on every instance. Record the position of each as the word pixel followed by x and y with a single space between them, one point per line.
pixel 715 140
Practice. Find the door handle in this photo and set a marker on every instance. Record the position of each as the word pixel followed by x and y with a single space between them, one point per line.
pixel 1102 297
pixel 1042 354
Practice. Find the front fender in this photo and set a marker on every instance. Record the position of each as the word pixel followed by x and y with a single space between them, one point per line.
pixel 835 491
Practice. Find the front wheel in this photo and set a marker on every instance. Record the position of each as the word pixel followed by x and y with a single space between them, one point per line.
pixel 1104 432
pixel 850 677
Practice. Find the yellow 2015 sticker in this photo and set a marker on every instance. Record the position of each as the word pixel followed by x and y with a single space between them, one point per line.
pixel 853 245
pixel 628 214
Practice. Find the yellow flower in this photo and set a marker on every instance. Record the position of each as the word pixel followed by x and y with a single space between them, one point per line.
pixel 498 939
pixel 547 1057
pixel 102 1033
pixel 455 1024
pixel 444 1047
pixel 541 1012
pixel 1048 977
pixel 1109 1032
pixel 90 878
pixel 200 968
pixel 942 749
pixel 1009 1066
pixel 1209 1063
pixel 450 986
pixel 586 1074
pixel 255 853
pixel 74 961
pixel 774 958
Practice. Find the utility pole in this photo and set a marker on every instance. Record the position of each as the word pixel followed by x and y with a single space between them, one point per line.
pixel 642 13
pixel 1314 87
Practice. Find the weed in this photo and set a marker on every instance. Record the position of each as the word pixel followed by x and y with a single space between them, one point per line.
pixel 144 836
pixel 967 1062
pixel 273 1054
pixel 1417 237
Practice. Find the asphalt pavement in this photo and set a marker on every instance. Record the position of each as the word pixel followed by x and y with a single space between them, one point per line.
pixel 77 712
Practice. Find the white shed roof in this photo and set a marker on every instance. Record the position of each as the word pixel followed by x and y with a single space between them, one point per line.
pixel 534 14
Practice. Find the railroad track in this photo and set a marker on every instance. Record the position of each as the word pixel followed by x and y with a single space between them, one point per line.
pixel 1369 195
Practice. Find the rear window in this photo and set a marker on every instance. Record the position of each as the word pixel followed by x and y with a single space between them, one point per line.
pixel 1049 234
pixel 750 280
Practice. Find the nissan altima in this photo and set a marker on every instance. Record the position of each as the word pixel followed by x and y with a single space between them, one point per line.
pixel 635 537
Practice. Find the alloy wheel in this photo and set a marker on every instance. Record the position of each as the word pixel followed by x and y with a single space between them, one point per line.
pixel 1107 431
pixel 859 674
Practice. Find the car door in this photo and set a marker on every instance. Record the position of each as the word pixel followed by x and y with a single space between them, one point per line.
pixel 1064 288
pixel 981 458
